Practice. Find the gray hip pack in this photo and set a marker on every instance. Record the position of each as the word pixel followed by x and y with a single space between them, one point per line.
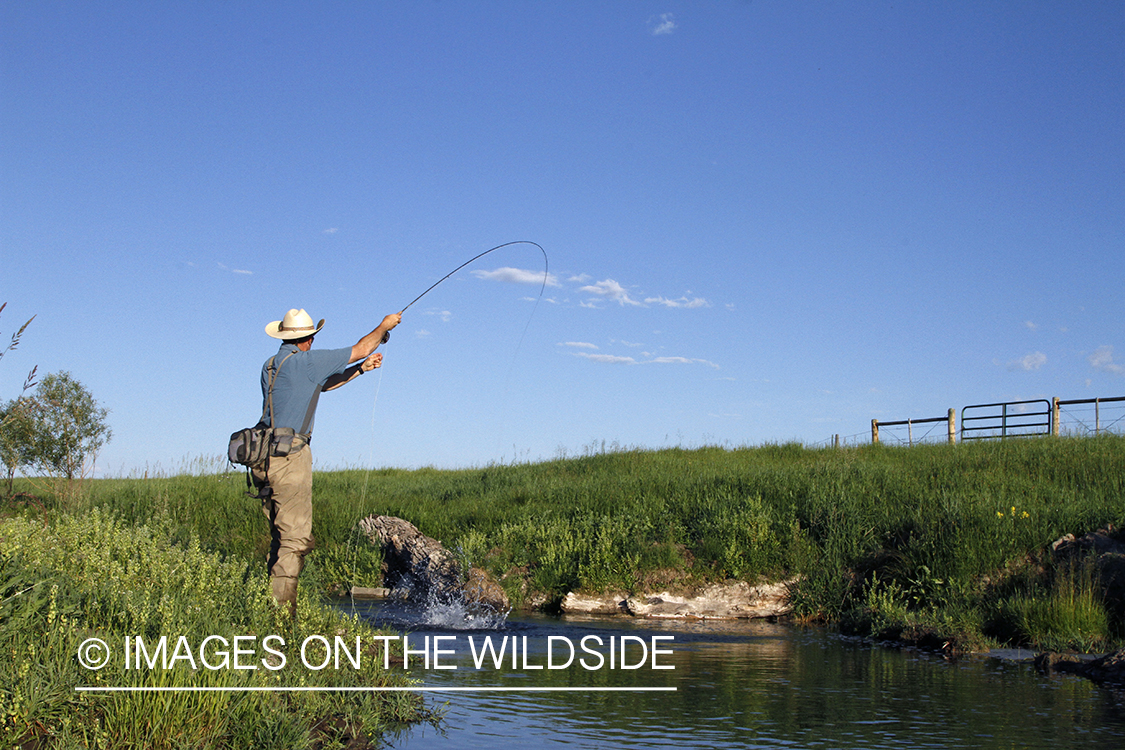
pixel 252 447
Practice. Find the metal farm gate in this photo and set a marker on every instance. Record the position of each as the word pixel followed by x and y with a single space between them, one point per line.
pixel 1007 419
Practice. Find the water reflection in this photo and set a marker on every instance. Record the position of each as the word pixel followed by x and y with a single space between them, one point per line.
pixel 759 685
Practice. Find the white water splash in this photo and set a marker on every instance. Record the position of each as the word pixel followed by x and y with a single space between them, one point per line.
pixel 412 605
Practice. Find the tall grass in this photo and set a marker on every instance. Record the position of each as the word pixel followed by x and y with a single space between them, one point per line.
pixel 880 537
pixel 91 575
pixel 939 529
pixel 1059 613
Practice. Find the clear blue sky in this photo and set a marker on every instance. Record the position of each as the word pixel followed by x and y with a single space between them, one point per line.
pixel 765 220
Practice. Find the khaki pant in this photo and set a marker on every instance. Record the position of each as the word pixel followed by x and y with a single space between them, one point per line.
pixel 286 492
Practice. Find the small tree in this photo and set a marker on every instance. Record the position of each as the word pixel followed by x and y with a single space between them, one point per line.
pixel 68 427
pixel 16 429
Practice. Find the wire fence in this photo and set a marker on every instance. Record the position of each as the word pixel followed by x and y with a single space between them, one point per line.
pixel 1089 417
pixel 1067 418
pixel 843 441
pixel 904 434
pixel 913 433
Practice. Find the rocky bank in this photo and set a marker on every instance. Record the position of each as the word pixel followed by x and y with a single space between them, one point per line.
pixel 420 565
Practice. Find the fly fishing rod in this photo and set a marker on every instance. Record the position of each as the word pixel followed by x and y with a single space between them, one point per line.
pixel 387 335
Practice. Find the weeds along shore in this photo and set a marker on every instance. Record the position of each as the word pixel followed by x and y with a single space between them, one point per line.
pixel 938 543
pixel 70 575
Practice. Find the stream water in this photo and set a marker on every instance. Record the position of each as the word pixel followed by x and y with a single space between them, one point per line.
pixel 736 685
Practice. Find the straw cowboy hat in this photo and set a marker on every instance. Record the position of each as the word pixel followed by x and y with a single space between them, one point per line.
pixel 295 325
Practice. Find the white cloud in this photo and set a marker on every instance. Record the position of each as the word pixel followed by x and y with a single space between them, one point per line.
pixel 1032 361
pixel 444 315
pixel 683 361
pixel 665 24
pixel 681 302
pixel 236 270
pixel 581 278
pixel 606 358
pixel 1031 326
pixel 611 290
pixel 1102 359
pixel 579 344
pixel 331 230
pixel 421 333
pixel 517 276
pixel 620 360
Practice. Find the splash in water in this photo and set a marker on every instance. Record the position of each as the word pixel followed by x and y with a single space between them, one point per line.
pixel 413 604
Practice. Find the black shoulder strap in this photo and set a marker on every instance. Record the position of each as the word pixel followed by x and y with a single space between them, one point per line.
pixel 309 413
pixel 268 405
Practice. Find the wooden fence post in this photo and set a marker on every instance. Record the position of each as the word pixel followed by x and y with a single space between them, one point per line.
pixel 1055 416
pixel 874 430
pixel 952 426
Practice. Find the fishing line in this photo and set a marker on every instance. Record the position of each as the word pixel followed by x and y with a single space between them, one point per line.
pixel 363 493
pixel 379 382
pixel 486 252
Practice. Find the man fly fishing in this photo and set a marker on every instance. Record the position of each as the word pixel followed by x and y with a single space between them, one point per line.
pixel 292 381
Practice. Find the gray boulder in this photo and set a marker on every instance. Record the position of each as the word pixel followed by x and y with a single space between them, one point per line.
pixel 419 567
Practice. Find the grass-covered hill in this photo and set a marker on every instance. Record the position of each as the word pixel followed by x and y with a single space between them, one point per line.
pixel 941 542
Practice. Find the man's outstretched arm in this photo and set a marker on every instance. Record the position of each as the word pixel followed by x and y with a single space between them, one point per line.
pixel 366 345
pixel 350 374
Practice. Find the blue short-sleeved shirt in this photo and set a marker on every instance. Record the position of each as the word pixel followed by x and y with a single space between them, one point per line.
pixel 302 375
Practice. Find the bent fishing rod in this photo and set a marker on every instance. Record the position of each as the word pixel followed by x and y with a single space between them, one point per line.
pixel 546 269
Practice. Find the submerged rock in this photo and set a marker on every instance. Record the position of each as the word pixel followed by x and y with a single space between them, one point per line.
pixel 420 565
pixel 1109 668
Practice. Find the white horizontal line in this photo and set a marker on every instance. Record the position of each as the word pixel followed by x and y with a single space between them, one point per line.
pixel 419 689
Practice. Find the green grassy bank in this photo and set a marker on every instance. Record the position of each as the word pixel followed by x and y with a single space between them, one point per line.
pixel 69 576
pixel 946 543
pixel 938 542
